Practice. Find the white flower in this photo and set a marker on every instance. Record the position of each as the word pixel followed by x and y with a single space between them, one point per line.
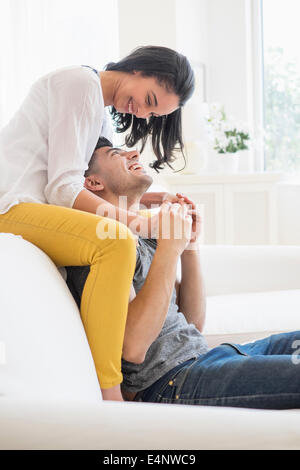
pixel 218 126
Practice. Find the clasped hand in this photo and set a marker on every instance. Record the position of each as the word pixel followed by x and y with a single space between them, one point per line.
pixel 177 218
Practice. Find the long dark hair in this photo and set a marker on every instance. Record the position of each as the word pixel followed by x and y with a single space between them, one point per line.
pixel 171 70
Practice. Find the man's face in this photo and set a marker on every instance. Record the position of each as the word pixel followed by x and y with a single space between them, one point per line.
pixel 120 172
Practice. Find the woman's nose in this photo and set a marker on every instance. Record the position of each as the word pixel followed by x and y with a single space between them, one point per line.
pixel 143 113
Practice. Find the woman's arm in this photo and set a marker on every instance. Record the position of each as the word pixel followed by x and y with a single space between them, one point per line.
pixel 158 198
pixel 149 199
pixel 89 202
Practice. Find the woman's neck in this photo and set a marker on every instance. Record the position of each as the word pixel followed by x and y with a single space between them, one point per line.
pixel 110 81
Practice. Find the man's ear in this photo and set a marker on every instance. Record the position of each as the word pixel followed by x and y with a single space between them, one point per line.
pixel 93 183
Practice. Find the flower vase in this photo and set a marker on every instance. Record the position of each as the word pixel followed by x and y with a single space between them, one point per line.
pixel 228 163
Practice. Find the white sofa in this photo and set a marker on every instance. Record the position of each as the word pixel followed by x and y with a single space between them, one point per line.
pixel 49 393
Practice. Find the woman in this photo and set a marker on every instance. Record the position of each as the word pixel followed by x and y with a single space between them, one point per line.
pixel 44 152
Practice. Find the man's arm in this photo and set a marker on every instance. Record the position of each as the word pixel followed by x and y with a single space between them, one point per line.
pixel 147 311
pixel 191 298
pixel 191 291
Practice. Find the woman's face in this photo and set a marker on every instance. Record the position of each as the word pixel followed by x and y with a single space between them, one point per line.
pixel 144 97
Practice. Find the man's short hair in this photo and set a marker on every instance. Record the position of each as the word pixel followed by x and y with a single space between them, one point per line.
pixel 102 142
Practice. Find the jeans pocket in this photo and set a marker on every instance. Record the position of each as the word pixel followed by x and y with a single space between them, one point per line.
pixel 167 393
pixel 237 347
pixel 165 387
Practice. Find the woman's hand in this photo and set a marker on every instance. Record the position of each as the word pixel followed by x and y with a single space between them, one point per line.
pixel 157 198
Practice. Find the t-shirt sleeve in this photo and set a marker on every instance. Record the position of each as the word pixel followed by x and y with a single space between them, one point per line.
pixel 73 99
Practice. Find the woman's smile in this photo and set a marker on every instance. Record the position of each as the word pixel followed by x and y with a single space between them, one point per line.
pixel 131 108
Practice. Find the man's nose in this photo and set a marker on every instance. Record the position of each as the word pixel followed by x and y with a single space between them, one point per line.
pixel 133 154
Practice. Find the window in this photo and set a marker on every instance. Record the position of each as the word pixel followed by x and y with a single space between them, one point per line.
pixel 281 51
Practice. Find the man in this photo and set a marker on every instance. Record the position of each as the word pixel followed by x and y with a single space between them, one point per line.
pixel 165 356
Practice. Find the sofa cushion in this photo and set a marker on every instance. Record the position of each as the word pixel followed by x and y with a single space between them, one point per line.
pixel 247 317
pixel 234 269
pixel 46 350
pixel 134 426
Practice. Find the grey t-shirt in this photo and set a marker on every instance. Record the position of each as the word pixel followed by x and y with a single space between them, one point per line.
pixel 178 340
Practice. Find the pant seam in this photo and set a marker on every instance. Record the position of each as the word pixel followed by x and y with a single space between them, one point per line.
pixel 224 398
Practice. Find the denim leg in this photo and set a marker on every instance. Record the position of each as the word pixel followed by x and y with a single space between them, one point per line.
pixel 257 375
pixel 283 343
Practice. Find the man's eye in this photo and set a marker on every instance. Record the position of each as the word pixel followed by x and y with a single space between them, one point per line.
pixel 149 101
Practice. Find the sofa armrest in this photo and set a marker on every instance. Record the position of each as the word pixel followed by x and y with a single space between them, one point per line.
pixel 47 352
pixel 235 269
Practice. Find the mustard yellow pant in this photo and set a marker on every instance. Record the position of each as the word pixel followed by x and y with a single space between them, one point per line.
pixel 69 237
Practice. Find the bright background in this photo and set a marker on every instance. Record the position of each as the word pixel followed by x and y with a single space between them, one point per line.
pixel 246 54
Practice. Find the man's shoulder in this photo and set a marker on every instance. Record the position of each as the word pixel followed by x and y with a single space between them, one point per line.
pixel 146 249
pixel 150 243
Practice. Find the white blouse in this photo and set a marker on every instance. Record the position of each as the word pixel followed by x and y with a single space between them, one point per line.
pixel 46 147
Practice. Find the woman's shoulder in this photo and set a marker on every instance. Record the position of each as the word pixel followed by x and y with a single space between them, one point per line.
pixel 72 76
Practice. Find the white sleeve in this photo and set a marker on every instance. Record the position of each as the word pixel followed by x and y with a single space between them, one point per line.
pixel 73 103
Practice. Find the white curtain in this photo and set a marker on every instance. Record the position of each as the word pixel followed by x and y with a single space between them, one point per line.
pixel 37 36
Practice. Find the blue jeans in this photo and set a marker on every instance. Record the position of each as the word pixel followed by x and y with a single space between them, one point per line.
pixel 263 374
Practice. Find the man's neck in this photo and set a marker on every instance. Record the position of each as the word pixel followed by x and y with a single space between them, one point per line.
pixel 127 203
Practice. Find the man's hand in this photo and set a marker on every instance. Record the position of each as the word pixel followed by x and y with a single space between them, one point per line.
pixel 174 227
pixel 196 220
pixel 148 227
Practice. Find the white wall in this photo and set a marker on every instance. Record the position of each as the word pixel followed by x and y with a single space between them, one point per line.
pixel 214 32
pixel 192 29
pixel 226 44
pixel 37 36
pixel 225 36
pixel 146 23
pixel 234 68
pixel 178 24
